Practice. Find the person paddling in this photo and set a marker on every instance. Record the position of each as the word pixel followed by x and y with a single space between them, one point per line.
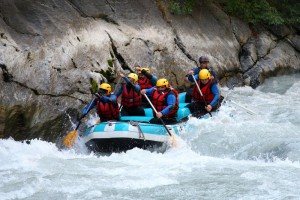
pixel 145 81
pixel 165 100
pixel 203 64
pixel 131 99
pixel 210 91
pixel 106 103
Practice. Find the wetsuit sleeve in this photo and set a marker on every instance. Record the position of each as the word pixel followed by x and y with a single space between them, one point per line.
pixel 111 99
pixel 147 74
pixel 153 80
pixel 149 91
pixel 215 91
pixel 89 107
pixel 136 87
pixel 190 77
pixel 196 71
pixel 119 91
pixel 127 80
pixel 171 100
pixel 213 73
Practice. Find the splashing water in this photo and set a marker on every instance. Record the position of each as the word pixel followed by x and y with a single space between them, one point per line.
pixel 233 155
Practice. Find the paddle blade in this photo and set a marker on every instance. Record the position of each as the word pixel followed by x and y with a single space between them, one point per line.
pixel 173 141
pixel 70 139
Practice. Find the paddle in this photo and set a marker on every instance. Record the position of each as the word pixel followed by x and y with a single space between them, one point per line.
pixel 201 93
pixel 71 137
pixel 246 109
pixel 162 121
pixel 239 105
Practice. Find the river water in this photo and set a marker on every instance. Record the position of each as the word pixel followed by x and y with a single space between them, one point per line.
pixel 233 155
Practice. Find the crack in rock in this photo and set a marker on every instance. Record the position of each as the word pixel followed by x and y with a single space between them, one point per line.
pixel 111 7
pixel 7 77
pixel 181 46
pixel 119 57
pixel 17 31
pixel 81 13
pixel 98 16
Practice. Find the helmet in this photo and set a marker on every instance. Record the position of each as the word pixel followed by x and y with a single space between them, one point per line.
pixel 105 86
pixel 146 69
pixel 204 74
pixel 133 76
pixel 162 82
pixel 203 59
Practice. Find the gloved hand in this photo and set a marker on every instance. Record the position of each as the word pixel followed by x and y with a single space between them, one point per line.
pixel 98 96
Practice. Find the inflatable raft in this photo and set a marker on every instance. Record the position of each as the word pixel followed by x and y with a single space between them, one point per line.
pixel 135 132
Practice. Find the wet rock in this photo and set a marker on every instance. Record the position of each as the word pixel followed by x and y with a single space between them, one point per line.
pixel 248 55
pixel 295 41
pixel 241 31
pixel 263 44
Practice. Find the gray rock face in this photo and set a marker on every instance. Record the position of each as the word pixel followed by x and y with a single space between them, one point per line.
pixel 52 51
pixel 248 55
pixel 295 41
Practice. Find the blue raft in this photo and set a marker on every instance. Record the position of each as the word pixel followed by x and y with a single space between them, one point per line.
pixel 134 131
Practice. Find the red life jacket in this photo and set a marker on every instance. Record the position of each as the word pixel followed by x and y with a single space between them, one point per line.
pixel 206 91
pixel 108 111
pixel 131 98
pixel 145 83
pixel 159 101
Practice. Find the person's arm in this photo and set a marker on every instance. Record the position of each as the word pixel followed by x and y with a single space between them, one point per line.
pixel 136 87
pixel 171 101
pixel 89 107
pixel 119 92
pixel 126 79
pixel 111 99
pixel 153 79
pixel 213 74
pixel 215 91
pixel 190 78
pixel 149 91
pixel 186 78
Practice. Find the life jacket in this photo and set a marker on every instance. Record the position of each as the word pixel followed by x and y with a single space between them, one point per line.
pixel 131 98
pixel 159 101
pixel 206 91
pixel 145 83
pixel 108 111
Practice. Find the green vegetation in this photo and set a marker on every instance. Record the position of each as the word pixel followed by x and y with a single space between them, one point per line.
pixel 110 63
pixel 271 12
pixel 181 7
pixel 94 86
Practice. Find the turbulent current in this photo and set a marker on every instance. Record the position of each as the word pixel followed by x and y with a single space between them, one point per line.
pixel 249 150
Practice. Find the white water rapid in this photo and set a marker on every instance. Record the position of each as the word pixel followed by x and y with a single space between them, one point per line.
pixel 233 155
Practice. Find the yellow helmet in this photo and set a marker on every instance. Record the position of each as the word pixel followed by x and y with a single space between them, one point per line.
pixel 146 69
pixel 204 74
pixel 105 86
pixel 162 82
pixel 133 76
